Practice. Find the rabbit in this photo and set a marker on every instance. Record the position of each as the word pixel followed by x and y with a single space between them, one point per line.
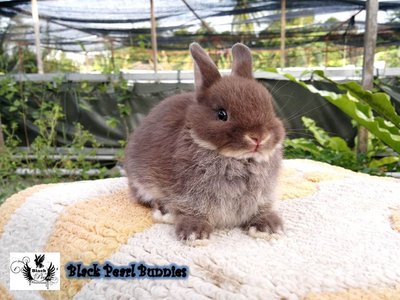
pixel 210 158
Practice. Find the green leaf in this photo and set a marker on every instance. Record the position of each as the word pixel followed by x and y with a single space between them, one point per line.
pixel 375 163
pixel 379 102
pixel 306 72
pixel 361 112
pixel 323 138
pixel 319 134
pixel 339 144
pixel 112 122
pixel 272 70
pixel 303 144
pixel 124 109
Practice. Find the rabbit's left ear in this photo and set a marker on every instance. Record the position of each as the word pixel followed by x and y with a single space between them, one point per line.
pixel 205 70
pixel 242 62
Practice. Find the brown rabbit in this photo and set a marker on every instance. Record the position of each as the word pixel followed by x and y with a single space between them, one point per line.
pixel 210 158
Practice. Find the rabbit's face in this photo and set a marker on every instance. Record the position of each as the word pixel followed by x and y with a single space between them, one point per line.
pixel 235 117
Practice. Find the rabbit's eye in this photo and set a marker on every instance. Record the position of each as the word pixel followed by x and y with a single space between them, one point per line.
pixel 222 114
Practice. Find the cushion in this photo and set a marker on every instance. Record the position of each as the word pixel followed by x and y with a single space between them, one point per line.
pixel 341 241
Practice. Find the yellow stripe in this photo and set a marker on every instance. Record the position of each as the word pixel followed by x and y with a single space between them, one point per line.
pixel 320 176
pixel 8 208
pixel 395 218
pixel 292 185
pixel 356 294
pixel 4 295
pixel 92 231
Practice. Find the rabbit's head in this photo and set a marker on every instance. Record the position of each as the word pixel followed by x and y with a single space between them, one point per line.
pixel 234 114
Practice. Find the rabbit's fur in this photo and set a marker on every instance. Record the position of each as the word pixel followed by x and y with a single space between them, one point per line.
pixel 207 172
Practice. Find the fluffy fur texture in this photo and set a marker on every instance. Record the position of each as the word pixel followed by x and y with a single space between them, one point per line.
pixel 206 172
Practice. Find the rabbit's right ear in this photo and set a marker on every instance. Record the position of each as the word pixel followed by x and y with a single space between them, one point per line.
pixel 205 71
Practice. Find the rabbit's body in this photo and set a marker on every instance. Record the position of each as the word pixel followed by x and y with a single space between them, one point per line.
pixel 197 180
pixel 216 174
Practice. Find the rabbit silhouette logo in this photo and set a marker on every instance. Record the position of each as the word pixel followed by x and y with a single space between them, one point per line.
pixel 33 271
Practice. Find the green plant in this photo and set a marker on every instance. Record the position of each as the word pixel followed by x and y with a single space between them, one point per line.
pixel 8 165
pixel 370 109
pixel 44 162
pixel 334 150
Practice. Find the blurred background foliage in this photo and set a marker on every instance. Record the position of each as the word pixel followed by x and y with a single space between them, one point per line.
pixel 309 43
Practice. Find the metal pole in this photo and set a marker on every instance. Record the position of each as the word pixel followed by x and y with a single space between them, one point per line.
pixel 283 32
pixel 370 35
pixel 209 29
pixel 36 26
pixel 153 35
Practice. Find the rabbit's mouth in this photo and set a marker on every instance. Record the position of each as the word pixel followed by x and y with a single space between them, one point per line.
pixel 257 144
pixel 257 148
pixel 258 153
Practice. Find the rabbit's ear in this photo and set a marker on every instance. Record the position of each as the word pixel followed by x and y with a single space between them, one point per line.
pixel 205 71
pixel 242 62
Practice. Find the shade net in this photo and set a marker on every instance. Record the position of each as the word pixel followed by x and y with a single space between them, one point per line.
pixel 89 25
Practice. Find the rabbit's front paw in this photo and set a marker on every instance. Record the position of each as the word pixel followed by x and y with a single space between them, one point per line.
pixel 263 225
pixel 191 228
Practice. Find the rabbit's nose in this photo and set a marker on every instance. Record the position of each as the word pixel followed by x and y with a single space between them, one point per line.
pixel 255 139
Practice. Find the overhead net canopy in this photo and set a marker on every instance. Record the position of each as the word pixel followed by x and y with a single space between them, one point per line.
pixel 91 25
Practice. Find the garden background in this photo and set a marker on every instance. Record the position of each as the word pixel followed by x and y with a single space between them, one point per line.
pixel 100 77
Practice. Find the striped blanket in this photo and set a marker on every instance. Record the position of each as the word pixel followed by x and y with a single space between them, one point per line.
pixel 341 241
